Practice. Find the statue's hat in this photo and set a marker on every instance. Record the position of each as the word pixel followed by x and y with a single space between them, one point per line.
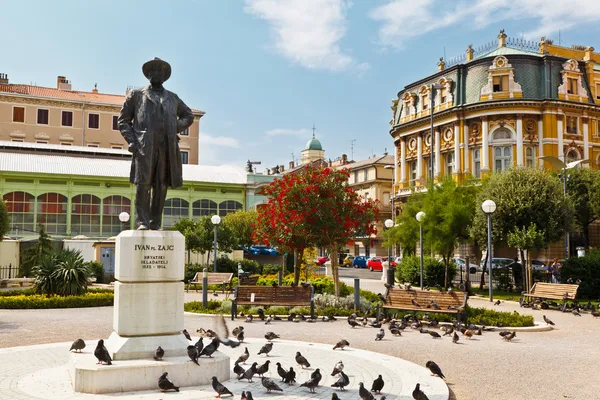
pixel 157 63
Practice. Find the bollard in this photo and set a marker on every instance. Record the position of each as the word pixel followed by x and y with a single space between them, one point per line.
pixel 279 277
pixel 356 294
pixel 204 288
pixel 390 276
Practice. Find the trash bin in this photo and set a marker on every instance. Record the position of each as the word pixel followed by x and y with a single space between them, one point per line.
pixel 580 251
pixel 391 276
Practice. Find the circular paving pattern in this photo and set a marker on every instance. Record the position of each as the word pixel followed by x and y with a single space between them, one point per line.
pixel 41 372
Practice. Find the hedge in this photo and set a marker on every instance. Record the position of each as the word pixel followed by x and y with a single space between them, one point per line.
pixel 409 270
pixel 31 291
pixel 37 301
pixel 586 269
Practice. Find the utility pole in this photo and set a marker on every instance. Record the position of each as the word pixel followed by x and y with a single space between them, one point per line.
pixel 352 149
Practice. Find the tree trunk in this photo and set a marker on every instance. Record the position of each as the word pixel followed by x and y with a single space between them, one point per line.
pixel 445 273
pixel 334 269
pixel 297 263
pixel 524 276
pixel 483 270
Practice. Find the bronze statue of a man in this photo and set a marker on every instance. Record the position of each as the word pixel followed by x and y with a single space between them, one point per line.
pixel 149 121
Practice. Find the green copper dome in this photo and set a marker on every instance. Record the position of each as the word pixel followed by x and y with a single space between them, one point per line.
pixel 313 144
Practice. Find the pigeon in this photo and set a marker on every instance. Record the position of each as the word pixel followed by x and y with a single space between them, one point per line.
pixel 497 303
pixel 290 377
pixel 434 323
pixel 77 345
pixel 199 344
pixel 249 373
pixel 219 388
pixel 271 335
pixel 510 336
pixel 268 320
pixel 266 349
pixel 270 385
pixel 334 396
pixel 434 335
pixel 341 344
pixel 352 323
pixel 576 312
pixel 548 321
pixel 418 394
pixel 595 314
pixel 187 335
pixel 244 357
pixel 240 336
pixel 301 360
pixel 248 396
pixel 159 353
pixel 338 368
pixel 364 393
pixel 311 384
pixel 380 335
pixel 101 353
pixel 281 372
pixel 249 318
pixel 261 314
pixel 262 369
pixel 377 384
pixel 468 333
pixel 414 303
pixel 449 331
pixel 455 338
pixel 193 354
pixel 238 370
pixel 165 384
pixel 342 382
pixel 237 330
pixel 504 333
pixel 210 349
pixel 316 375
pixel 435 369
pixel 396 331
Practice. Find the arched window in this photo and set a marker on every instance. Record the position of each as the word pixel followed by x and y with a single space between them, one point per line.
pixel 449 163
pixel 112 206
pixel 229 206
pixel 204 207
pixel 572 155
pixel 175 209
pixel 85 215
pixel 21 211
pixel 477 163
pixel 52 212
pixel 502 134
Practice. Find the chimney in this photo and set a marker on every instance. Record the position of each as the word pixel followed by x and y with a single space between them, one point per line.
pixel 470 52
pixel 501 39
pixel 63 84
pixel 281 167
pixel 291 165
pixel 344 159
pixel 95 90
pixel 441 64
pixel 3 78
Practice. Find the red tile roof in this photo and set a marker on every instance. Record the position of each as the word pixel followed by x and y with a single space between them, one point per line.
pixel 53 93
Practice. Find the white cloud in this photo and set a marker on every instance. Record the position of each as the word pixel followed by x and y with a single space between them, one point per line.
pixel 221 141
pixel 402 20
pixel 307 32
pixel 288 132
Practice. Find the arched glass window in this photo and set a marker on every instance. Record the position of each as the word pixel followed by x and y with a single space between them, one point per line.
pixel 112 206
pixel 21 211
pixel 52 213
pixel 175 209
pixel 204 207
pixel 449 163
pixel 502 134
pixel 572 155
pixel 85 215
pixel 229 206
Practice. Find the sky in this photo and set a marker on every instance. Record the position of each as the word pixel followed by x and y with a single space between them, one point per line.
pixel 266 71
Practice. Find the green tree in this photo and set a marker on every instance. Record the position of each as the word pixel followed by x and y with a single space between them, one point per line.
pixel 583 188
pixel 4 220
pixel 32 256
pixel 188 228
pixel 241 224
pixel 531 210
pixel 199 236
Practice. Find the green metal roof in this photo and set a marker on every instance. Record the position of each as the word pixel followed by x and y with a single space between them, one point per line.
pixel 507 51
pixel 313 144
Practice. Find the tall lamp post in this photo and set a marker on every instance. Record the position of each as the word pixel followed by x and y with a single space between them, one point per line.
pixel 124 218
pixel 488 207
pixel 390 281
pixel 421 217
pixel 216 220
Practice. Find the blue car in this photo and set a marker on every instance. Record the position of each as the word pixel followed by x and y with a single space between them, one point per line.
pixel 359 262
pixel 262 250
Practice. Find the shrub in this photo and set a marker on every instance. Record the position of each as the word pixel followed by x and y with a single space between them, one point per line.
pixel 197 307
pixel 191 270
pixel 497 318
pixel 71 274
pixel 278 310
pixel 97 270
pixel 433 271
pixel 271 269
pixel 586 269
pixel 44 282
pixel 37 301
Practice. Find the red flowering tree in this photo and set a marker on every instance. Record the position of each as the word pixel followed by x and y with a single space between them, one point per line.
pixel 314 207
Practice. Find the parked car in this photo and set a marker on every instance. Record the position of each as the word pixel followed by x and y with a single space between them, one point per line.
pixel 461 262
pixel 322 260
pixel 359 262
pixel 348 260
pixel 496 262
pixel 375 264
pixel 262 250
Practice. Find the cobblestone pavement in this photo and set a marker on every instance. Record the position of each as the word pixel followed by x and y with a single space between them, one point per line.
pixel 536 365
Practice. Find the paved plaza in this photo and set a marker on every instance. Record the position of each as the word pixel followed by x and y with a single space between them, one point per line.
pixel 536 365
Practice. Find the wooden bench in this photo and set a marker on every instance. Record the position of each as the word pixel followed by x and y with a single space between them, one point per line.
pixel 248 280
pixel 213 278
pixel 288 296
pixel 5 282
pixel 554 291
pixel 449 303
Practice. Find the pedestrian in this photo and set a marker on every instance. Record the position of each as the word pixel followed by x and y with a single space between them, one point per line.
pixel 556 266
pixel 549 272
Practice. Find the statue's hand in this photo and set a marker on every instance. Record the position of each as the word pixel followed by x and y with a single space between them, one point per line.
pixel 132 148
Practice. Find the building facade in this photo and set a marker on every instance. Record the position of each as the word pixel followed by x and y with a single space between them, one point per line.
pixel 502 106
pixel 62 116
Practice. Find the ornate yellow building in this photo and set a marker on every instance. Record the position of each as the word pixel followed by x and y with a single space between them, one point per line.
pixel 501 106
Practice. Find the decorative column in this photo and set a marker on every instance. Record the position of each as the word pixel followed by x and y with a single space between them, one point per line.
pixel 419 157
pixel 438 157
pixel 485 165
pixel 402 160
pixel 586 139
pixel 519 140
pixel 541 141
pixel 456 168
pixel 559 130
pixel 466 168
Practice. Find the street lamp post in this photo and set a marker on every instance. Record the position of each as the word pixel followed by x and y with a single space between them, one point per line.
pixel 390 280
pixel 216 220
pixel 488 207
pixel 124 218
pixel 420 218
